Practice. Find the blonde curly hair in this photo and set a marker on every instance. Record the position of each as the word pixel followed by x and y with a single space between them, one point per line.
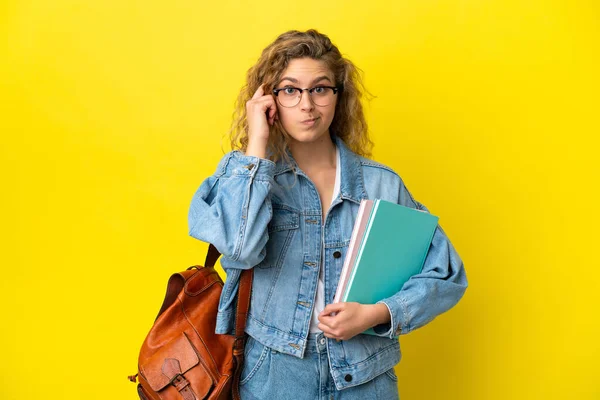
pixel 349 121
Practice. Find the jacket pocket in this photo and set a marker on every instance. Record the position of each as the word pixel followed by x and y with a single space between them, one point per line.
pixel 282 228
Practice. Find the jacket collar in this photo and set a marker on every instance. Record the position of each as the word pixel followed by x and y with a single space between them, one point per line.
pixel 351 177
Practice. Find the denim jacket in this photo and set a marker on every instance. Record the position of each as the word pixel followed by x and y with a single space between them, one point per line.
pixel 267 216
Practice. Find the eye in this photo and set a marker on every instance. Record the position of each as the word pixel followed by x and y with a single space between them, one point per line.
pixel 289 91
pixel 320 90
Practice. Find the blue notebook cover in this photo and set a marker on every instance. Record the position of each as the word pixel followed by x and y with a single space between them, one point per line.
pixel 393 248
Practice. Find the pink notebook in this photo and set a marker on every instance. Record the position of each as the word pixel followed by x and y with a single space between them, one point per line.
pixel 360 224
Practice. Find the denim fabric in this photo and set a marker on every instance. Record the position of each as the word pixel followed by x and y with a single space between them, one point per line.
pixel 268 216
pixel 269 374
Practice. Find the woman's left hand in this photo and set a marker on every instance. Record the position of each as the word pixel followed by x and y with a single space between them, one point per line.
pixel 343 321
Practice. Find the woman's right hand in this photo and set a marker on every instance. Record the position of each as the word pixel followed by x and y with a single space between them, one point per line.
pixel 261 112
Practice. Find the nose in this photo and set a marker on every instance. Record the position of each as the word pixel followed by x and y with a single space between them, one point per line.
pixel 306 103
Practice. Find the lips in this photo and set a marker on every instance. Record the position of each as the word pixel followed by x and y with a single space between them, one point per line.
pixel 306 121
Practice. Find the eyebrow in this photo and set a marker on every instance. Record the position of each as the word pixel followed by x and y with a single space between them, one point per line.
pixel 320 78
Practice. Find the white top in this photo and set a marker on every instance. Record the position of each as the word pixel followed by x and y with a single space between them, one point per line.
pixel 320 298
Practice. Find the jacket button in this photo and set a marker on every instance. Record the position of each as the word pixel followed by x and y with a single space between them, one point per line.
pixel 337 254
pixel 348 378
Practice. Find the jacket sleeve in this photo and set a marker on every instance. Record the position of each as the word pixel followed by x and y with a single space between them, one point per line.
pixel 231 209
pixel 437 288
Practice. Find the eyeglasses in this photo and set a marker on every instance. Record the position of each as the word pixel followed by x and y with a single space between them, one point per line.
pixel 290 96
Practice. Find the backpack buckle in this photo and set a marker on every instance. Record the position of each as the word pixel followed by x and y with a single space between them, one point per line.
pixel 180 382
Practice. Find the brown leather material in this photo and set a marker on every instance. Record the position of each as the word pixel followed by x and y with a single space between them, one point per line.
pixel 141 393
pixel 182 357
pixel 243 305
pixel 183 387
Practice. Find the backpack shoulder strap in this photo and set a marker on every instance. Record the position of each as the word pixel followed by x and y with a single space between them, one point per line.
pixel 177 281
pixel 243 305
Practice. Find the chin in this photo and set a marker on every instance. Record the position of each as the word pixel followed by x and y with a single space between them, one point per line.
pixel 308 136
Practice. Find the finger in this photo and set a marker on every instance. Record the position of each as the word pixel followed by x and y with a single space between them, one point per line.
pixel 259 93
pixel 330 336
pixel 272 111
pixel 334 307
pixel 326 328
pixel 331 323
pixel 327 331
pixel 265 103
pixel 272 115
pixel 326 318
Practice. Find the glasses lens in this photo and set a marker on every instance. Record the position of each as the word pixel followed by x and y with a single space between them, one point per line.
pixel 322 96
pixel 289 97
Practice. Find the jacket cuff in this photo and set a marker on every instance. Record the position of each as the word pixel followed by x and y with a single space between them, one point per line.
pixel 398 319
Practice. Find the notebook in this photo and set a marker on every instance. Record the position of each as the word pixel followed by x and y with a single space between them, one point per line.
pixel 389 244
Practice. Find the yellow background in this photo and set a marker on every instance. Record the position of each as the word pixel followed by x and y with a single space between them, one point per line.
pixel 113 112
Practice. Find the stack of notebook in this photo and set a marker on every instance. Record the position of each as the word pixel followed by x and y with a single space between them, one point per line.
pixel 389 244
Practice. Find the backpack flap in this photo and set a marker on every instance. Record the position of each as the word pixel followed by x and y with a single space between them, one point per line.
pixel 169 364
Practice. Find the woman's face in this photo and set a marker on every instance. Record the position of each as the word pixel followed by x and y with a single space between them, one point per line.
pixel 306 122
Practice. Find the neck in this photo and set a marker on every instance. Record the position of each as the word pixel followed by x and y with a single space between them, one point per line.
pixel 315 155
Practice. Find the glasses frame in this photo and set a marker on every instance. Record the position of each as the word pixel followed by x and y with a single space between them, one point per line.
pixel 310 91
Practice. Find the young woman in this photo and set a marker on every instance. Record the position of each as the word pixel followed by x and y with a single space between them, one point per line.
pixel 284 203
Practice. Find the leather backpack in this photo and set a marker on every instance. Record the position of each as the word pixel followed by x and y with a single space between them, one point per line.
pixel 182 357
